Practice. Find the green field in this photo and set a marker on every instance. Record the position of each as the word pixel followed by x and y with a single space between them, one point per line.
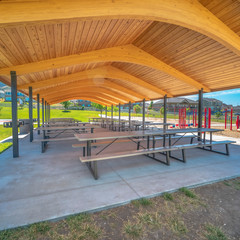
pixel 6 113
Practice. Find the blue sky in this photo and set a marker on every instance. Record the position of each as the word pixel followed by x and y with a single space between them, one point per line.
pixel 227 96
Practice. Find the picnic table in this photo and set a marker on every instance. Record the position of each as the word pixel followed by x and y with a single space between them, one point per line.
pixel 50 134
pixel 62 129
pixel 150 150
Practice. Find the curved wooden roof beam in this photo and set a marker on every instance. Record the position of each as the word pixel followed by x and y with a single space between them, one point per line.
pixel 103 72
pixel 98 83
pixel 86 91
pixel 76 98
pixel 79 96
pixel 127 53
pixel 187 13
pixel 119 97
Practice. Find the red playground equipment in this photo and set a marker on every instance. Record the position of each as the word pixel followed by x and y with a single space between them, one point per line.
pixel 231 119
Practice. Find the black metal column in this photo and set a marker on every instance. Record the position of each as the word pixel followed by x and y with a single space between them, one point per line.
pixel 143 114
pixel 49 114
pixel 129 114
pixel 200 111
pixel 165 110
pixel 112 112
pixel 45 108
pixel 106 111
pixel 30 114
pixel 119 116
pixel 42 111
pixel 14 114
pixel 38 112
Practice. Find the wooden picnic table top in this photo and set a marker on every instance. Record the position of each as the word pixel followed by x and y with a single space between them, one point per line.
pixel 112 135
pixel 65 128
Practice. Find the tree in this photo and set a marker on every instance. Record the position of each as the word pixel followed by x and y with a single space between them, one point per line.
pixel 97 106
pixel 162 110
pixel 66 104
pixel 115 109
pixel 137 109
pixel 150 106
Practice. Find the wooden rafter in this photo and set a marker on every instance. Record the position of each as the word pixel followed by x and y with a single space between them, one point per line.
pixel 102 72
pixel 78 96
pixel 84 91
pixel 186 13
pixel 112 94
pixel 128 53
pixel 96 83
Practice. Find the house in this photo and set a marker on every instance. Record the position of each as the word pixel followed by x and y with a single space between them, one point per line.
pixel 174 104
pixel 7 94
pixel 214 104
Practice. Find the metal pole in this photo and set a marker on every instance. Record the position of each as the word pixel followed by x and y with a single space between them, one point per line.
pixel 129 115
pixel 38 112
pixel 143 115
pixel 200 111
pixel 106 111
pixel 45 108
pixel 14 114
pixel 165 109
pixel 112 112
pixel 49 112
pixel 30 114
pixel 42 111
pixel 119 116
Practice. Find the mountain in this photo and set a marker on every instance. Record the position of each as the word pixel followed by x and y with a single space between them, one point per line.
pixel 2 84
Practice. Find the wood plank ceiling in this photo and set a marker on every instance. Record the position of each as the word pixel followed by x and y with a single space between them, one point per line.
pixel 163 58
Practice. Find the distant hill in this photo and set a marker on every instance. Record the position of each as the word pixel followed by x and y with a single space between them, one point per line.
pixel 2 84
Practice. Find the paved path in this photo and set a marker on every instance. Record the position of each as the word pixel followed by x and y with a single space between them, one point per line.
pixel 37 187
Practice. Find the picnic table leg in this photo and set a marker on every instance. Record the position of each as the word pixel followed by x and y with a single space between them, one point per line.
pixel 169 143
pixel 91 165
pixel 154 145
pixel 211 140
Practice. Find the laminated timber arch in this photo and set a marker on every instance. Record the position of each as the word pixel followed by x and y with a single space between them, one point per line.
pixel 85 91
pixel 95 83
pixel 127 54
pixel 188 13
pixel 66 97
pixel 89 88
pixel 109 72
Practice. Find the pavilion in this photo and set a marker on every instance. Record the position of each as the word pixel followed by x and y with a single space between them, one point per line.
pixel 117 52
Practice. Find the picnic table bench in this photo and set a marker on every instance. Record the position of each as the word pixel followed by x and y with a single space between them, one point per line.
pixel 148 151
pixel 56 131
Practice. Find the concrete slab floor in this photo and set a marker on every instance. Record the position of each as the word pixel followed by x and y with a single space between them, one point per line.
pixel 37 187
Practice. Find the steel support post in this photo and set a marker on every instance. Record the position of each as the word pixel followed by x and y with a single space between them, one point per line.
pixel 49 114
pixel 143 115
pixel 112 117
pixel 30 113
pixel 200 111
pixel 38 112
pixel 112 112
pixel 106 111
pixel 129 114
pixel 45 108
pixel 14 114
pixel 119 116
pixel 42 111
pixel 165 109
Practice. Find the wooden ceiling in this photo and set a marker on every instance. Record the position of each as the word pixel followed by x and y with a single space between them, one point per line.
pixel 118 51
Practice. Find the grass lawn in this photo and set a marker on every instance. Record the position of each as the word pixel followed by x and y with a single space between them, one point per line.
pixel 55 113
pixel 5 146
pixel 5 132
pixel 187 214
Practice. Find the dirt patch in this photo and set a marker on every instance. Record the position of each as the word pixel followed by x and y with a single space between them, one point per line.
pixel 229 133
pixel 208 212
